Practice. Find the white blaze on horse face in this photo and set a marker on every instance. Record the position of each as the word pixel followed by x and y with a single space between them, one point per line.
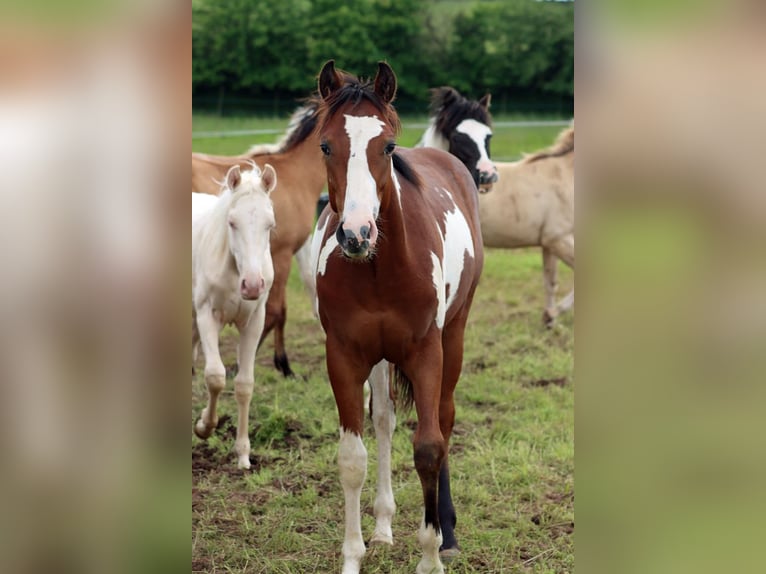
pixel 457 241
pixel 478 133
pixel 361 204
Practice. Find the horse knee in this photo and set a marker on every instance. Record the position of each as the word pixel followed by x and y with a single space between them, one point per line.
pixel 352 460
pixel 429 455
pixel 243 391
pixel 215 381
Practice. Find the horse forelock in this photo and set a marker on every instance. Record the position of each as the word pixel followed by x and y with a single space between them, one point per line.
pixel 353 92
pixel 449 108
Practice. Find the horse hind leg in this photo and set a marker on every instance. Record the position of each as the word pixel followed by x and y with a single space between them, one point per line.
pixel 564 250
pixel 384 421
pixel 281 361
pixel 550 282
pixel 276 312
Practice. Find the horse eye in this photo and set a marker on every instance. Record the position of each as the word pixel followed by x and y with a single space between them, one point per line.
pixel 390 147
pixel 232 224
pixel 325 148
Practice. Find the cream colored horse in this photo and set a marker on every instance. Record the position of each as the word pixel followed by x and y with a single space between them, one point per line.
pixel 232 274
pixel 532 204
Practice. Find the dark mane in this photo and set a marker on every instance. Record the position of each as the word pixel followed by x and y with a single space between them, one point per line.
pixel 448 108
pixel 405 169
pixel 306 125
pixel 353 91
pixel 302 124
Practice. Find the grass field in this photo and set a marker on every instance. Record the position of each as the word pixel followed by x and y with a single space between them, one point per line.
pixel 512 454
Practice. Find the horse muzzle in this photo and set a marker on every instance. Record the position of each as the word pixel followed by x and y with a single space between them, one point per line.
pixel 251 288
pixel 486 180
pixel 355 245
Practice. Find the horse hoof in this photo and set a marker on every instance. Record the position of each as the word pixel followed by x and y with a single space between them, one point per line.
pixel 243 463
pixel 381 540
pixel 202 430
pixel 283 365
pixel 449 554
pixel 548 319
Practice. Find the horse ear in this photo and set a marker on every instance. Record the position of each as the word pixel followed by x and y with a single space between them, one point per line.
pixel 233 177
pixel 484 102
pixel 268 178
pixel 329 79
pixel 385 82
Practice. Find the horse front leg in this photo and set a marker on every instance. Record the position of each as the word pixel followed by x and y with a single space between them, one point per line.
pixel 347 380
pixel 384 421
pixel 215 373
pixel 249 336
pixel 424 369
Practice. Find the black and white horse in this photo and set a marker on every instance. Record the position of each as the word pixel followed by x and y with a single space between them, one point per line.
pixel 462 127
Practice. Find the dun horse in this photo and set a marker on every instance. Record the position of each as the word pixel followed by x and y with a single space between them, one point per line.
pixel 533 199
pixel 398 256
pixel 302 177
pixel 232 273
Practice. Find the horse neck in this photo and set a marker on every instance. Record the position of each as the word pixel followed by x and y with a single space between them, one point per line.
pixel 306 154
pixel 393 228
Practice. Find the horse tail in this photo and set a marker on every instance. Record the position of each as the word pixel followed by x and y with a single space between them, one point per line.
pixel 401 388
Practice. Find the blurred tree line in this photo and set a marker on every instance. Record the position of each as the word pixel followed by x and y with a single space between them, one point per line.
pixel 521 51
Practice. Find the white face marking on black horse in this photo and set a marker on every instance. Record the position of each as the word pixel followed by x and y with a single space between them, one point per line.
pixel 470 144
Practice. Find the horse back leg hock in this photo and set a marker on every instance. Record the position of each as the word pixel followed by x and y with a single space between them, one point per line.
pixel 564 250
pixel 550 281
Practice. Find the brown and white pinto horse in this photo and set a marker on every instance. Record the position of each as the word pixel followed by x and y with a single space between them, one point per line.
pixel 398 255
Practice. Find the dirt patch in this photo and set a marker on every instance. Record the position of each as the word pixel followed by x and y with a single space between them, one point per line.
pixel 559 382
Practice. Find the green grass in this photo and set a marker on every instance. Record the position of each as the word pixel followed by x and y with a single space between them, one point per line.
pixel 507 143
pixel 512 454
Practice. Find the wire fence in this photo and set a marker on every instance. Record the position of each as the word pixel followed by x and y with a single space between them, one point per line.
pixel 419 125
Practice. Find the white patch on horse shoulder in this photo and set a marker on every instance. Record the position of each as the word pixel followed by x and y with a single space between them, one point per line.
pixel 437 275
pixel 457 240
pixel 432 138
pixel 361 189
pixel 478 132
pixel 324 254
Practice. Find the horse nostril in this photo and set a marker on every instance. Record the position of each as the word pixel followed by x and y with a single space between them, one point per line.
pixel 365 232
pixel 243 285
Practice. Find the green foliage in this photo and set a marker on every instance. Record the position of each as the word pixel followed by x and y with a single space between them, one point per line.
pixel 275 49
